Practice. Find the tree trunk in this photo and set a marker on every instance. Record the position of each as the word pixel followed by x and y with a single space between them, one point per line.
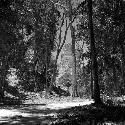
pixel 46 86
pixel 1 88
pixel 74 83
pixel 121 43
pixel 3 73
pixel 96 89
pixel 53 77
pixel 92 81
pixel 114 69
pixel 123 63
pixel 106 68
pixel 115 78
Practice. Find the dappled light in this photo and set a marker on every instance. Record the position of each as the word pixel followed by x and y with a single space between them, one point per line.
pixel 62 62
pixel 35 113
pixel 63 105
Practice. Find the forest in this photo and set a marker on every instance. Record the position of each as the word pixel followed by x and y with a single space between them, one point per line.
pixel 64 51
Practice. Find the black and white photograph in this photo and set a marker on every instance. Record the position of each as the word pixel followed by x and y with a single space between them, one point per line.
pixel 62 62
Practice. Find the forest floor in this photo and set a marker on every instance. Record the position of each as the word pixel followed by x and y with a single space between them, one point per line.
pixel 45 113
pixel 55 111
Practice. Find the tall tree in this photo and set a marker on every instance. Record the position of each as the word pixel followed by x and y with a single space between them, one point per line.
pixel 122 38
pixel 96 90
pixel 74 86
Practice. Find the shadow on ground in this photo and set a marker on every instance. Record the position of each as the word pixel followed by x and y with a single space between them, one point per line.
pixel 80 115
pixel 27 114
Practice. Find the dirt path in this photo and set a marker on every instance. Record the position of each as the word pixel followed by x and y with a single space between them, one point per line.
pixel 35 114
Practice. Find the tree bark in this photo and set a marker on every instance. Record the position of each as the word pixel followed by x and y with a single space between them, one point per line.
pixel 114 69
pixel 123 63
pixel 1 88
pixel 74 83
pixel 92 81
pixel 96 89
pixel 115 78
pixel 106 67
pixel 46 58
pixel 121 43
pixel 3 73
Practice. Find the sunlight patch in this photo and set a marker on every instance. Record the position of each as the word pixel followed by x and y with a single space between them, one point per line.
pixel 68 104
pixel 11 113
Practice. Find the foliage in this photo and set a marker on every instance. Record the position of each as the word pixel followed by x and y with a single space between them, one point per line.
pixel 26 24
pixel 28 36
pixel 107 30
